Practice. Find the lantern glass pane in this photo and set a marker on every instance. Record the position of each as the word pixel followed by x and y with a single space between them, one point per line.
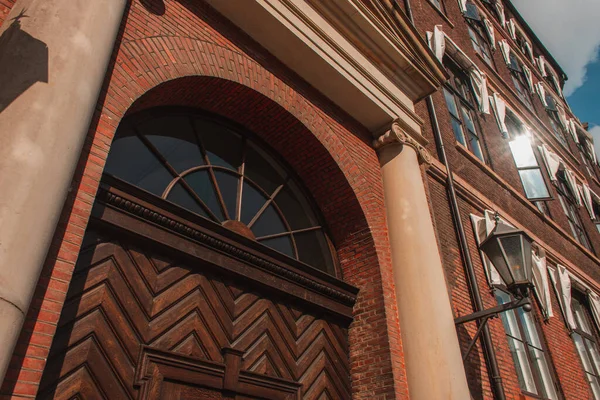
pixel 514 256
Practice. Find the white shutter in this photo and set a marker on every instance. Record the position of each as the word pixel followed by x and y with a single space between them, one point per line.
pixel 557 84
pixel 529 52
pixel 586 194
pixel 591 150
pixel 479 82
pixel 553 162
pixel 562 117
pixel 540 283
pixel 462 4
pixel 437 42
pixel 505 48
pixel 512 29
pixel 573 130
pixel 528 77
pixel 489 29
pixel 572 183
pixel 481 229
pixel 500 113
pixel 562 286
pixel 542 65
pixel 500 11
pixel 541 91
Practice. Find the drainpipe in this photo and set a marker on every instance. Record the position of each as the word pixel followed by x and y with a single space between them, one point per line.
pixel 487 344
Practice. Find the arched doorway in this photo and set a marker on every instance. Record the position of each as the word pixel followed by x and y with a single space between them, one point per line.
pixel 206 272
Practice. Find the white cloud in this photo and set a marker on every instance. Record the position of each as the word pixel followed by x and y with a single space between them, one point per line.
pixel 570 31
pixel 595 131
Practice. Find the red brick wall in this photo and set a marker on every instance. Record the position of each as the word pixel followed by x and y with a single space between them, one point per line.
pixel 5 6
pixel 193 57
pixel 560 345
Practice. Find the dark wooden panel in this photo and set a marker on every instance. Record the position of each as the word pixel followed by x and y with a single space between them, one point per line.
pixel 124 299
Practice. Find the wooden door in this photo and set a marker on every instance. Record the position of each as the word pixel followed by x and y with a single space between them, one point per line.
pixel 140 323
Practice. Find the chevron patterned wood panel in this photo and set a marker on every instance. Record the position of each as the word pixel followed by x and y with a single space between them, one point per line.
pixel 124 299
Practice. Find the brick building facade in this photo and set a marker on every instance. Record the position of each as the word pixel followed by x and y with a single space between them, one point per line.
pixel 352 108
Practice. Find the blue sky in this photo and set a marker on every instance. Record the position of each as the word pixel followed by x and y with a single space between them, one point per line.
pixel 571 32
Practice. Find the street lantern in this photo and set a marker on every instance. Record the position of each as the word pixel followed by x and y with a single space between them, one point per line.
pixel 509 249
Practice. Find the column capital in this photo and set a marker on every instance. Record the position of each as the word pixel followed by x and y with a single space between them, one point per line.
pixel 398 135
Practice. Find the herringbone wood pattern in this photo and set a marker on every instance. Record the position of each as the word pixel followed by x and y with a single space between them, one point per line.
pixel 122 297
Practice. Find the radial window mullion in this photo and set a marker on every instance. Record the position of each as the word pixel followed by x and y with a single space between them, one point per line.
pixel 176 175
pixel 265 206
pixel 241 171
pixel 211 172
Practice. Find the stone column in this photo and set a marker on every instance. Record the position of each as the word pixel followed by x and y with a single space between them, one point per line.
pixel 433 360
pixel 53 60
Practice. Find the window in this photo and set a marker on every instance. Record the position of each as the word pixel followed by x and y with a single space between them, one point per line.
pixel 566 201
pixel 477 34
pixel 216 171
pixel 524 45
pixel 586 163
pixel 552 110
pixel 586 342
pixel 533 367
pixel 528 167
pixel 520 80
pixel 459 100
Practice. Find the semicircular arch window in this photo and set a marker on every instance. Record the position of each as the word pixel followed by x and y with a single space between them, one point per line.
pixel 220 173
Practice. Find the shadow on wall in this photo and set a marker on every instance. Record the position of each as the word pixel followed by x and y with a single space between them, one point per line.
pixel 472 364
pixel 23 62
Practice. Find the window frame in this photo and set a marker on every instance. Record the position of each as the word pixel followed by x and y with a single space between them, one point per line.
pixel 513 120
pixel 577 296
pixel 569 207
pixel 520 81
pixel 479 39
pixel 464 104
pixel 536 374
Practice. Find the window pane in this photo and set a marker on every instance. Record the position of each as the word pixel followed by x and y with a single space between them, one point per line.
pixel 475 146
pixel 311 250
pixel 289 203
pixel 458 132
pixel 223 147
pixel 269 223
pixel 539 359
pixel 580 317
pixel 259 168
pixel 174 138
pixel 228 185
pixel 523 152
pixel 451 103
pixel 524 374
pixel 468 120
pixel 252 201
pixel 180 196
pixel 595 386
pixel 281 244
pixel 593 349
pixel 130 160
pixel 585 360
pixel 200 183
pixel 533 183
pixel 529 327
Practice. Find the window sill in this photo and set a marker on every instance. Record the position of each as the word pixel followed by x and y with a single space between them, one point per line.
pixel 441 14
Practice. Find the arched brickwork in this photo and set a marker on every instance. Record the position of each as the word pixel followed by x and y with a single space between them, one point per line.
pixel 191 56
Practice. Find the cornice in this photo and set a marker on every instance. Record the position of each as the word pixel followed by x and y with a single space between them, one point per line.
pixel 141 211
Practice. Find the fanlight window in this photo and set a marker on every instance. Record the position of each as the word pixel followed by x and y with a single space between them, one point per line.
pixel 209 168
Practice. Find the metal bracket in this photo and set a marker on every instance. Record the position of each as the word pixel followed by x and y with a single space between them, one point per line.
pixel 485 316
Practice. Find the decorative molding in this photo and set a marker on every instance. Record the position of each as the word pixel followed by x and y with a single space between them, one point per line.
pixel 398 135
pixel 156 365
pixel 157 218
